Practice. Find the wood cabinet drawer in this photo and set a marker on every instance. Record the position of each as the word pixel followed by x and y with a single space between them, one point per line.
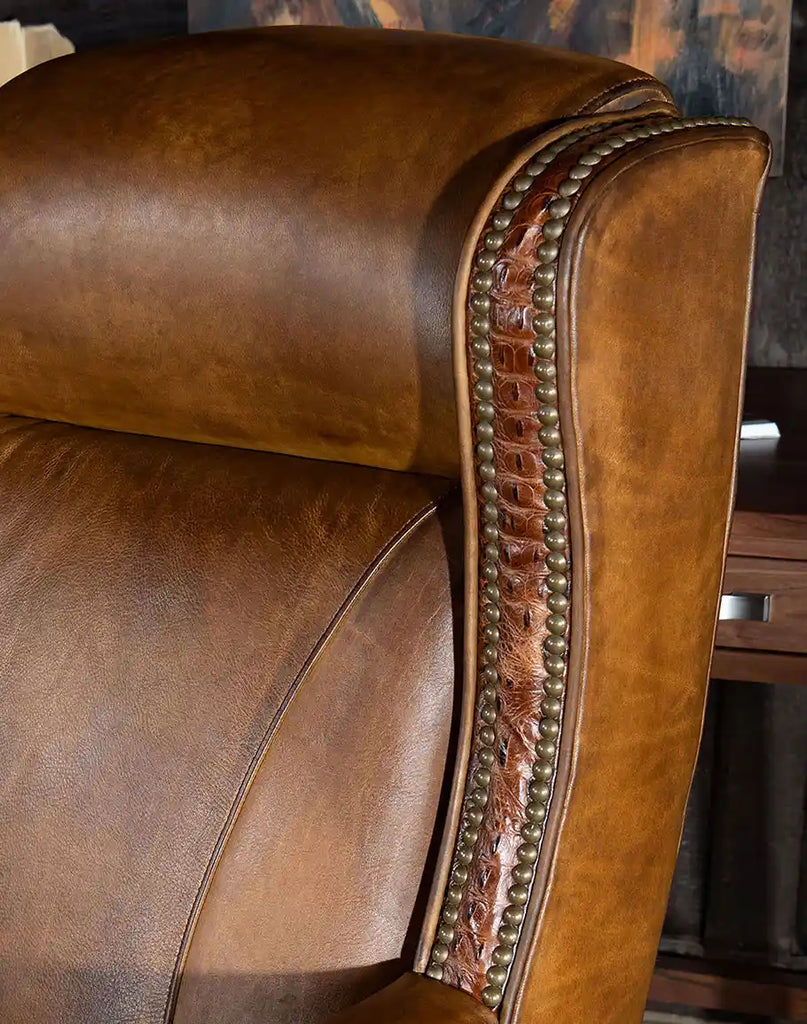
pixel 785 581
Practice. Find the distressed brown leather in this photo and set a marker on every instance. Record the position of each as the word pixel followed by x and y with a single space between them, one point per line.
pixel 162 604
pixel 414 999
pixel 251 237
pixel 653 308
pixel 231 682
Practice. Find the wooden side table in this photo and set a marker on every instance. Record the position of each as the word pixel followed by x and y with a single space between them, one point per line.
pixel 766 576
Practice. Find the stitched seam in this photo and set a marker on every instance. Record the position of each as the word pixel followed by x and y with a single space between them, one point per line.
pixel 371 572
pixel 592 105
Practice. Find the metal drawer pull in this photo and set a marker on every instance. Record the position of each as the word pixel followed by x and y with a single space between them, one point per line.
pixel 747 607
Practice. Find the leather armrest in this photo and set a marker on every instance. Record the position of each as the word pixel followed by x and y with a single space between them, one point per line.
pixel 414 999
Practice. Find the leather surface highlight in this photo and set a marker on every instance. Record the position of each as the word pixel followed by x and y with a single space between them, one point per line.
pixel 219 255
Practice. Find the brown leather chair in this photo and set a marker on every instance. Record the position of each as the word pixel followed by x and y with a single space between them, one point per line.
pixel 266 745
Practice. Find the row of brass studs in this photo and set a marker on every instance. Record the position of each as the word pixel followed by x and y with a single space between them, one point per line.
pixel 555 537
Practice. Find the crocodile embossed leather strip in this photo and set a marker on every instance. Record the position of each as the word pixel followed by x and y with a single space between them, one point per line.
pixel 524 591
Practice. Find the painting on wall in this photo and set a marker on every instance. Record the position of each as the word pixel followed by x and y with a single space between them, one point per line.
pixel 717 56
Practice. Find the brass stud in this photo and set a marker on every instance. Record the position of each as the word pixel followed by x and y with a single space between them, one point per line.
pixel 602 149
pixel 522 182
pixel 547 251
pixel 494 240
pixel 484 431
pixel 496 975
pixel 539 792
pixel 531 831
pixel 554 478
pixel 549 436
pixel 491 592
pixel 549 728
pixel 544 348
pixel 492 613
pixel 479 797
pixel 487 735
pixel 513 915
pixel 485 260
pixel 480 325
pixel 482 281
pixel 439 953
pixel 546 749
pixel 552 457
pixel 546 392
pixel 551 707
pixel 522 873
pixel 545 370
pixel 483 368
pixel 480 303
pixel 510 200
pixel 488 714
pixel 553 686
pixel 554 499
pixel 508 935
pixel 481 347
pixel 590 159
pixel 555 521
pixel 459 875
pixel 527 853
pixel 446 934
pixel 535 812
pixel 559 208
pixel 488 491
pixel 486 756
pixel 555 541
pixel 554 664
pixel 580 171
pixel 435 971
pixel 491 996
pixel 548 415
pixel 490 673
pixel 464 855
pixel 485 451
pixel 543 323
pixel 469 835
pixel 450 915
pixel 552 229
pixel 491 551
pixel 490 652
pixel 558 603
pixel 556 624
pixel 502 219
pixel 482 778
pixel 483 389
pixel 474 815
pixel 568 187
pixel 485 411
pixel 518 894
pixel 487 472
pixel 502 955
pixel 556 561
pixel 453 894
pixel 543 297
pixel 488 693
pixel 545 274
pixel 543 771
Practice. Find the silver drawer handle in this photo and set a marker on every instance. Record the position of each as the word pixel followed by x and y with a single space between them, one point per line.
pixel 747 607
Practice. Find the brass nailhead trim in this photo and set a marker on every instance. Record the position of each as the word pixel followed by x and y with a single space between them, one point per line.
pixel 556 535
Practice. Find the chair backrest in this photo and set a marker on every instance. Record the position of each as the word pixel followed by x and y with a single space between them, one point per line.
pixel 265 299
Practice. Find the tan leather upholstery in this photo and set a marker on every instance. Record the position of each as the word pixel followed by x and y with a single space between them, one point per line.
pixel 245 677
pixel 251 238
